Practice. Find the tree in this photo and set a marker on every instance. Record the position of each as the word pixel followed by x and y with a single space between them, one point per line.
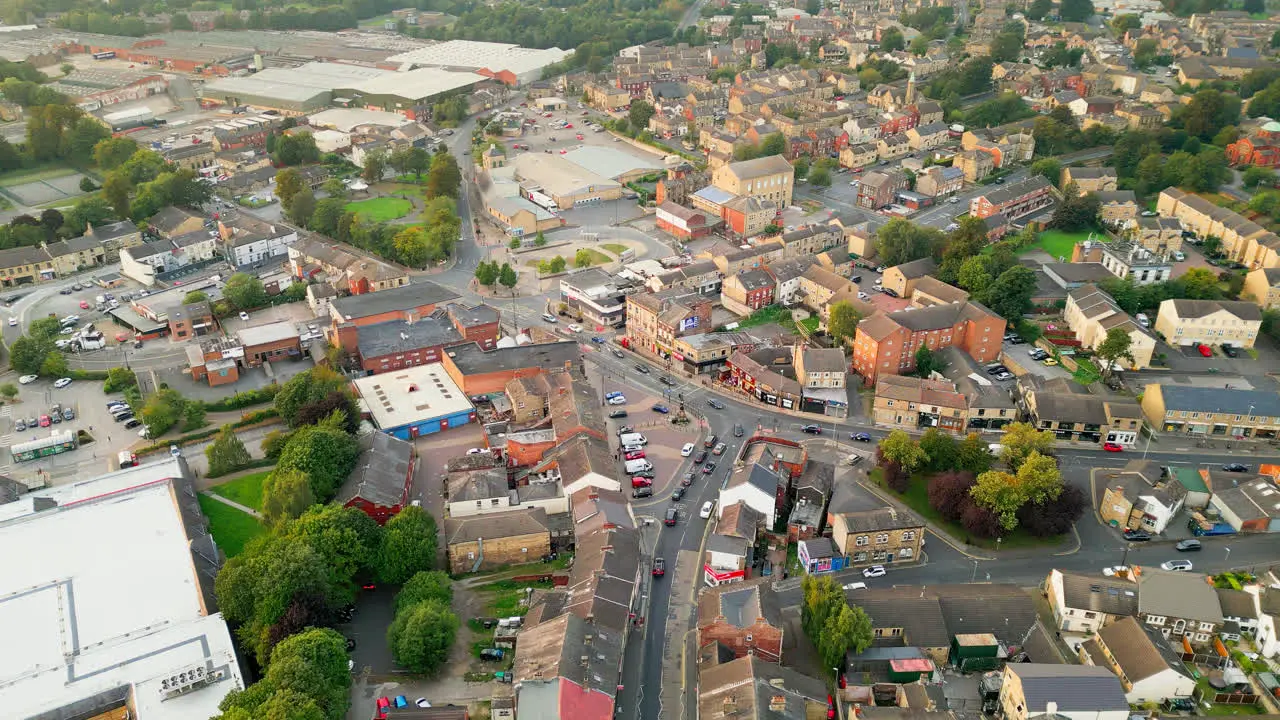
pixel 444 178
pixel 1197 284
pixel 1253 176
pixel 1036 481
pixel 54 365
pixel 195 296
pixel 1124 23
pixel 163 409
pixel 286 494
pixel 487 273
pixel 1116 345
pixel 1076 212
pixel 940 449
pixel 9 391
pixel 898 447
pixel 1010 294
pixel 891 39
pixel 296 149
pixel 820 176
pixel 28 353
pixel 1050 168
pixel 979 521
pixel 45 328
pixel 111 153
pixel 375 165
pixel 288 183
pixel 831 624
pixel 1209 111
pixel 244 292
pixel 302 206
pixel 507 276
pixel 1054 517
pixel 307 680
pixel 193 416
pixel 411 246
pixel 226 454
pixel 428 585
pixel 539 240
pixel 1076 10
pixel 1020 440
pixel 842 321
pixel 311 388
pixel 900 241
pixel 582 259
pixel 420 636
pixel 949 493
pixel 638 114
pixel 1006 47
pixel 926 362
pixel 409 546
pixel 773 144
pixel 326 455
pixel 115 190
pixel 973 455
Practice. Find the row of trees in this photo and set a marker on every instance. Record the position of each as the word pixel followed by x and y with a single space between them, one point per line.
pixel 489 274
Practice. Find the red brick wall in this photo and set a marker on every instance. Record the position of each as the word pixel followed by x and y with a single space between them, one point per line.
pixel 993 328
pixel 527 453
pixel 766 640
pixel 253 355
pixel 486 336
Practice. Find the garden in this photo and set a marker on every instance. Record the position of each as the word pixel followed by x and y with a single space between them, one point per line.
pixel 380 209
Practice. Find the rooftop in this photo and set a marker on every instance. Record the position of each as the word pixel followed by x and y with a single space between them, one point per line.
pixel 268 333
pixel 471 360
pixel 1074 688
pixel 415 394
pixel 1231 401
pixel 381 473
pixel 1189 596
pixel 385 338
pixel 400 299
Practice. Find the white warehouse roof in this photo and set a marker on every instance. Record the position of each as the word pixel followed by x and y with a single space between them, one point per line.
pixel 482 55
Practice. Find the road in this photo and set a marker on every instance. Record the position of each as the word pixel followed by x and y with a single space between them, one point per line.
pixel 691 15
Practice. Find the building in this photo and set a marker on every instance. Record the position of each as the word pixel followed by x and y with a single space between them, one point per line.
pixel 886 343
pixel 1118 208
pixel 520 217
pixel 1149 668
pixel 380 484
pixel 975 164
pixel 344 267
pixel 1249 507
pixel 1092 314
pixel 1072 692
pixel 1014 200
pixel 480 372
pixel 1158 234
pixel 493 540
pixel 1125 260
pixel 759 487
pixel 415 401
pixel 1260 148
pixel 762 381
pixel 1089 179
pixel 656 320
pixel 160 654
pixel 596 296
pixel 192 320
pixel 937 181
pixel 407 303
pixel 75 254
pixel 1209 322
pixel 1243 240
pixel 682 222
pixel 767 178
pixel 748 291
pixel 752 687
pixel 817 554
pixel 396 344
pixel 1083 603
pixel 1262 286
pixel 269 342
pixel 1072 413
pixel 249 242
pixel 509 64
pixel 742 617
pixel 880 188
pixel 1141 497
pixel 913 403
pixel 902 278
pixel 878 537
pixel 1179 605
pixel 929 291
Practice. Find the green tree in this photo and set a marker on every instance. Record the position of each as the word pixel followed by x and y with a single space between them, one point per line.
pixel 421 635
pixel 1037 481
pixel 1076 212
pixel 898 447
pixel 1075 10
pixel 444 178
pixel 941 449
pixel 1124 23
pixel 507 276
pixel 539 240
pixel 286 494
pixel 301 683
pixel 45 328
pixel 310 389
pixel 374 167
pixel 582 259
pixel 195 296
pixel 54 365
pixel 926 362
pixel 820 176
pixel 328 214
pixel 1010 294
pixel 326 455
pixel 834 627
pixel 411 246
pixel 115 190
pixel 1020 440
pixel 1050 168
pixel 28 353
pixel 842 322
pixel 118 379
pixel 1115 346
pixel 424 586
pixel 514 244
pixel 288 183
pixel 302 206
pixel 226 454
pixel 973 455
pixel 111 153
pixel 1198 284
pixel 163 409
pixel 1253 176
pixel 891 39
pixel 900 241
pixel 9 391
pixel 244 292
pixel 773 144
pixel 487 273
pixel 296 149
pixel 639 113
pixel 193 416
pixel 409 546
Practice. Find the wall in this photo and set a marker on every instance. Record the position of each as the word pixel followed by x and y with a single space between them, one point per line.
pixel 499 552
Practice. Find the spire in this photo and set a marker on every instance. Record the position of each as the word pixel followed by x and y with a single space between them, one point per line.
pixel 911 88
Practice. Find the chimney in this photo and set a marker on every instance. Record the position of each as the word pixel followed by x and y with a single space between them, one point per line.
pixel 1051 708
pixel 778 703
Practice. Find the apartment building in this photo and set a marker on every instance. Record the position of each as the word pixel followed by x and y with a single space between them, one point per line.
pixel 1262 286
pixel 886 343
pixel 1220 412
pixel 1092 314
pixel 767 178
pixel 1014 200
pixel 1211 322
pixel 656 320
pixel 598 297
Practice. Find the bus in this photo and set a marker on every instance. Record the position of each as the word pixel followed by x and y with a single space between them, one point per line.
pixel 59 441
pixel 109 54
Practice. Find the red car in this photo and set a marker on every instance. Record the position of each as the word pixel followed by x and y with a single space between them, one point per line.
pixel 1112 447
pixel 659 567
pixel 640 482
pixel 45 421
pixel 635 455
pixel 1205 350
pixel 384 705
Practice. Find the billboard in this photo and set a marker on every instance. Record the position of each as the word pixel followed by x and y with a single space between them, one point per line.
pixel 689 323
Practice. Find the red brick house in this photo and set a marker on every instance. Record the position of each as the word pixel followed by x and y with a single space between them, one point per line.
pixel 743 618
pixel 380 485
pixel 683 222
pixel 886 343
pixel 1013 200
pixel 1261 149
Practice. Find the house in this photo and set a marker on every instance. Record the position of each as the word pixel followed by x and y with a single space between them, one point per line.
pixel 1071 275
pixel 818 556
pixel 344 267
pixel 1014 200
pixel 682 222
pixel 752 687
pixel 727 559
pixel 380 484
pixel 494 540
pixel 930 291
pixel 912 403
pixel 819 286
pixel 1117 207
pixel 1262 286
pixel 1084 603
pixel 192 320
pixel 1239 612
pixel 248 241
pixel 1089 179
pixel 1125 260
pixel 820 368
pixel 1070 692
pixel 761 488
pixel 1268 621
pixel 1209 322
pixel 1249 507
pixel 879 188
pixel 1149 668
pixel 975 164
pixel 877 537
pixel 1073 413
pixel 767 178
pixel 902 278
pixel 759 380
pixel 748 291
pixel 892 147
pixel 1092 314
pixel 1158 234
pixel 927 137
pixel 744 618
pixel 938 180
pixel 1179 604
pixel 77 253
pixel 1141 497
pixel 656 320
pixel 886 343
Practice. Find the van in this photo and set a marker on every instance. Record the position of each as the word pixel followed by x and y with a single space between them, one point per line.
pixel 710 441
pixel 633 439
pixel 637 466
pixel 641 482
pixel 549 318
pixel 995 449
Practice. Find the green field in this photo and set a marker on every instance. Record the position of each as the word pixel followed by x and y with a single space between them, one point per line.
pixel 381 209
pixel 597 257
pixel 231 529
pixel 615 248
pixel 245 490
pixel 1059 244
pixel 46 172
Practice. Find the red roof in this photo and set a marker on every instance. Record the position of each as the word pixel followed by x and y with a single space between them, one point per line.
pixel 578 703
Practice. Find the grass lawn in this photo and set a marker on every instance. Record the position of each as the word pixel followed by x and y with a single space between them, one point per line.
pixel 381 209
pixel 615 248
pixel 44 172
pixel 772 314
pixel 1059 244
pixel 231 529
pixel 917 498
pixel 810 323
pixel 246 490
pixel 597 257
pixel 1087 372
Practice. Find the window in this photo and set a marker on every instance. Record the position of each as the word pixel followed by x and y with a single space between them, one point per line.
pixel 908 534
pixel 882 538
pixel 1155 620
pixel 1202 637
pixel 862 540
pixel 1207 627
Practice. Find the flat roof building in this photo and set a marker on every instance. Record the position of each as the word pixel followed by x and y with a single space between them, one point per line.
pixel 414 401
pixel 509 64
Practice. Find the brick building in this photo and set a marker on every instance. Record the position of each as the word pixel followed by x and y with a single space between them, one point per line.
pixel 886 343
pixel 655 320
pixel 380 484
pixel 407 303
pixel 494 540
pixel 1014 200
pixel 742 617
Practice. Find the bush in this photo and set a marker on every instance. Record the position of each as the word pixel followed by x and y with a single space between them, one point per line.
pixel 949 493
pixel 895 478
pixel 118 379
pixel 244 399
pixel 1054 517
pixel 424 586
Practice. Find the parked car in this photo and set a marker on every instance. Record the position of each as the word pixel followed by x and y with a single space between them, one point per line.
pixel 874 571
pixel 1176 565
pixel 737 430
pixel 616 352
pixel 1137 535
pixel 62 382
pixel 677 494
pixel 707 507
pixel 1112 447
pixel 68 414
pixel 19 425
pixel 617 400
pixel 812 429
pixel 617 414
pixel 1190 545
pixel 634 455
pixel 492 654
pixel 1235 467
pixel 700 457
pixel 719 449
pixel 1230 351
pixel 687 480
pixel 28 379
pixel 1204 350
pixel 132 423
pixel 642 492
pixel 642 369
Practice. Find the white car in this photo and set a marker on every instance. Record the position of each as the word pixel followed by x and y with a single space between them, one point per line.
pixel 618 400
pixel 1113 571
pixel 856 586
pixel 13 322
pixel 477 451
pixel 707 507
pixel 144 432
pixel 62 382
pixel 67 330
pixel 574 328
pixel 863 296
pixel 28 379
pixel 244 315
pixel 687 450
pixel 873 571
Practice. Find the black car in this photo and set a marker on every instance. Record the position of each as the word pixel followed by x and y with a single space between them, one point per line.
pixel 677 494
pixel 642 369
pixel 617 413
pixel 700 458
pixel 1235 467
pixel 1230 351
pixel 856 279
pixel 860 437
pixel 715 403
pixel 1136 536
pixel 672 515
pixel 890 292
pixel 708 468
pixel 616 352
pixel 643 492
pixel 811 429
pixel 666 381
pixel 737 430
pixel 997 369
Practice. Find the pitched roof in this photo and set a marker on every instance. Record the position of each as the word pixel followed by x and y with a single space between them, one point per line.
pixel 753 689
pixel 771 165
pixel 1074 688
pixel 509 524
pixel 1246 311
pixel 934 287
pixel 1178 595
pixel 740 604
pixel 1099 594
pixel 917 268
pixel 1236 603
pixel 887 518
pixel 381 472
pixel 1011 191
pixel 1134 649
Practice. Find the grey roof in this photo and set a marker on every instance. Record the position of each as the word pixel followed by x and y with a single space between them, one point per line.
pixel 1178 595
pixel 823 360
pixel 471 360
pixel 1075 688
pixel 1099 594
pixel 472 316
pixel 381 472
pixel 435 330
pixel 1088 173
pixel 490 526
pixel 820 547
pixel 1005 193
pixel 918 268
pixel 150 249
pixel 114 230
pixel 727 544
pixel 1200 308
pixel 1117 196
pixel 1236 603
pixel 1220 400
pixel 1086 272
pixel 759 476
pixel 755 280
pixel 886 518
pixel 402 298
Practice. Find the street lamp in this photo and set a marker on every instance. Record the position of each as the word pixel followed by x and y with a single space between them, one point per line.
pixel 1228 549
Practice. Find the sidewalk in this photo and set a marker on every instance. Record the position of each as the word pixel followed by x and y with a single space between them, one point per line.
pixel 242 508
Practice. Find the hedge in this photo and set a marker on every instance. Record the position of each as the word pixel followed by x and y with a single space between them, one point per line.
pixel 244 399
pixel 87 374
pixel 258 418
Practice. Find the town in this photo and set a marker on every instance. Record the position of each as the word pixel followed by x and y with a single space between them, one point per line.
pixel 871 359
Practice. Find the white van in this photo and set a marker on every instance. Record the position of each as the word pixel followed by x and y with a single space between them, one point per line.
pixel 638 466
pixel 995 449
pixel 1143 320
pixel 633 440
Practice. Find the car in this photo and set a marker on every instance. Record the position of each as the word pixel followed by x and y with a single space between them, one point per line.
pixel 351 645
pixel 492 654
pixel 1117 570
pixel 132 423
pixel 55 416
pixel 874 571
pixel 28 379
pixel 548 317
pixel 65 291
pixel 659 567
pixel 666 381
pixel 1050 362
pixel 633 455
pixel 700 458
pixel 719 449
pixel 1176 565
pixel 597 339
pixel 1235 467
pixel 677 494
pixel 1190 545
pixel 244 315
pixel 855 586
pixel 661 409
pixel 1178 255
pixel 67 330
pixel 890 292
pixel 642 369
pixel 997 369
pixel 617 400
pixel 477 451
pixel 642 492
pixel 1112 447
pixel 13 321
pixel 574 327
pixel 32 422
pixel 737 430
pixel 614 414
pixel 1230 351
pixel 716 404
pixel 1137 535
pixel 84 305
pixel 707 507
pixel 111 404
pixel 860 437
pixel 643 475
pixel 688 478
pixel 709 468
pixel 19 425
pixel 68 414
pixel 626 429
pixel 616 353
pixel 61 382
pixel 383 706
pixel 123 416
pixel 1204 350
pixel 1004 376
pixel 1037 353
pixel 145 432
pixel 811 429
pixel 687 450
pixel 614 394
pixel 673 514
